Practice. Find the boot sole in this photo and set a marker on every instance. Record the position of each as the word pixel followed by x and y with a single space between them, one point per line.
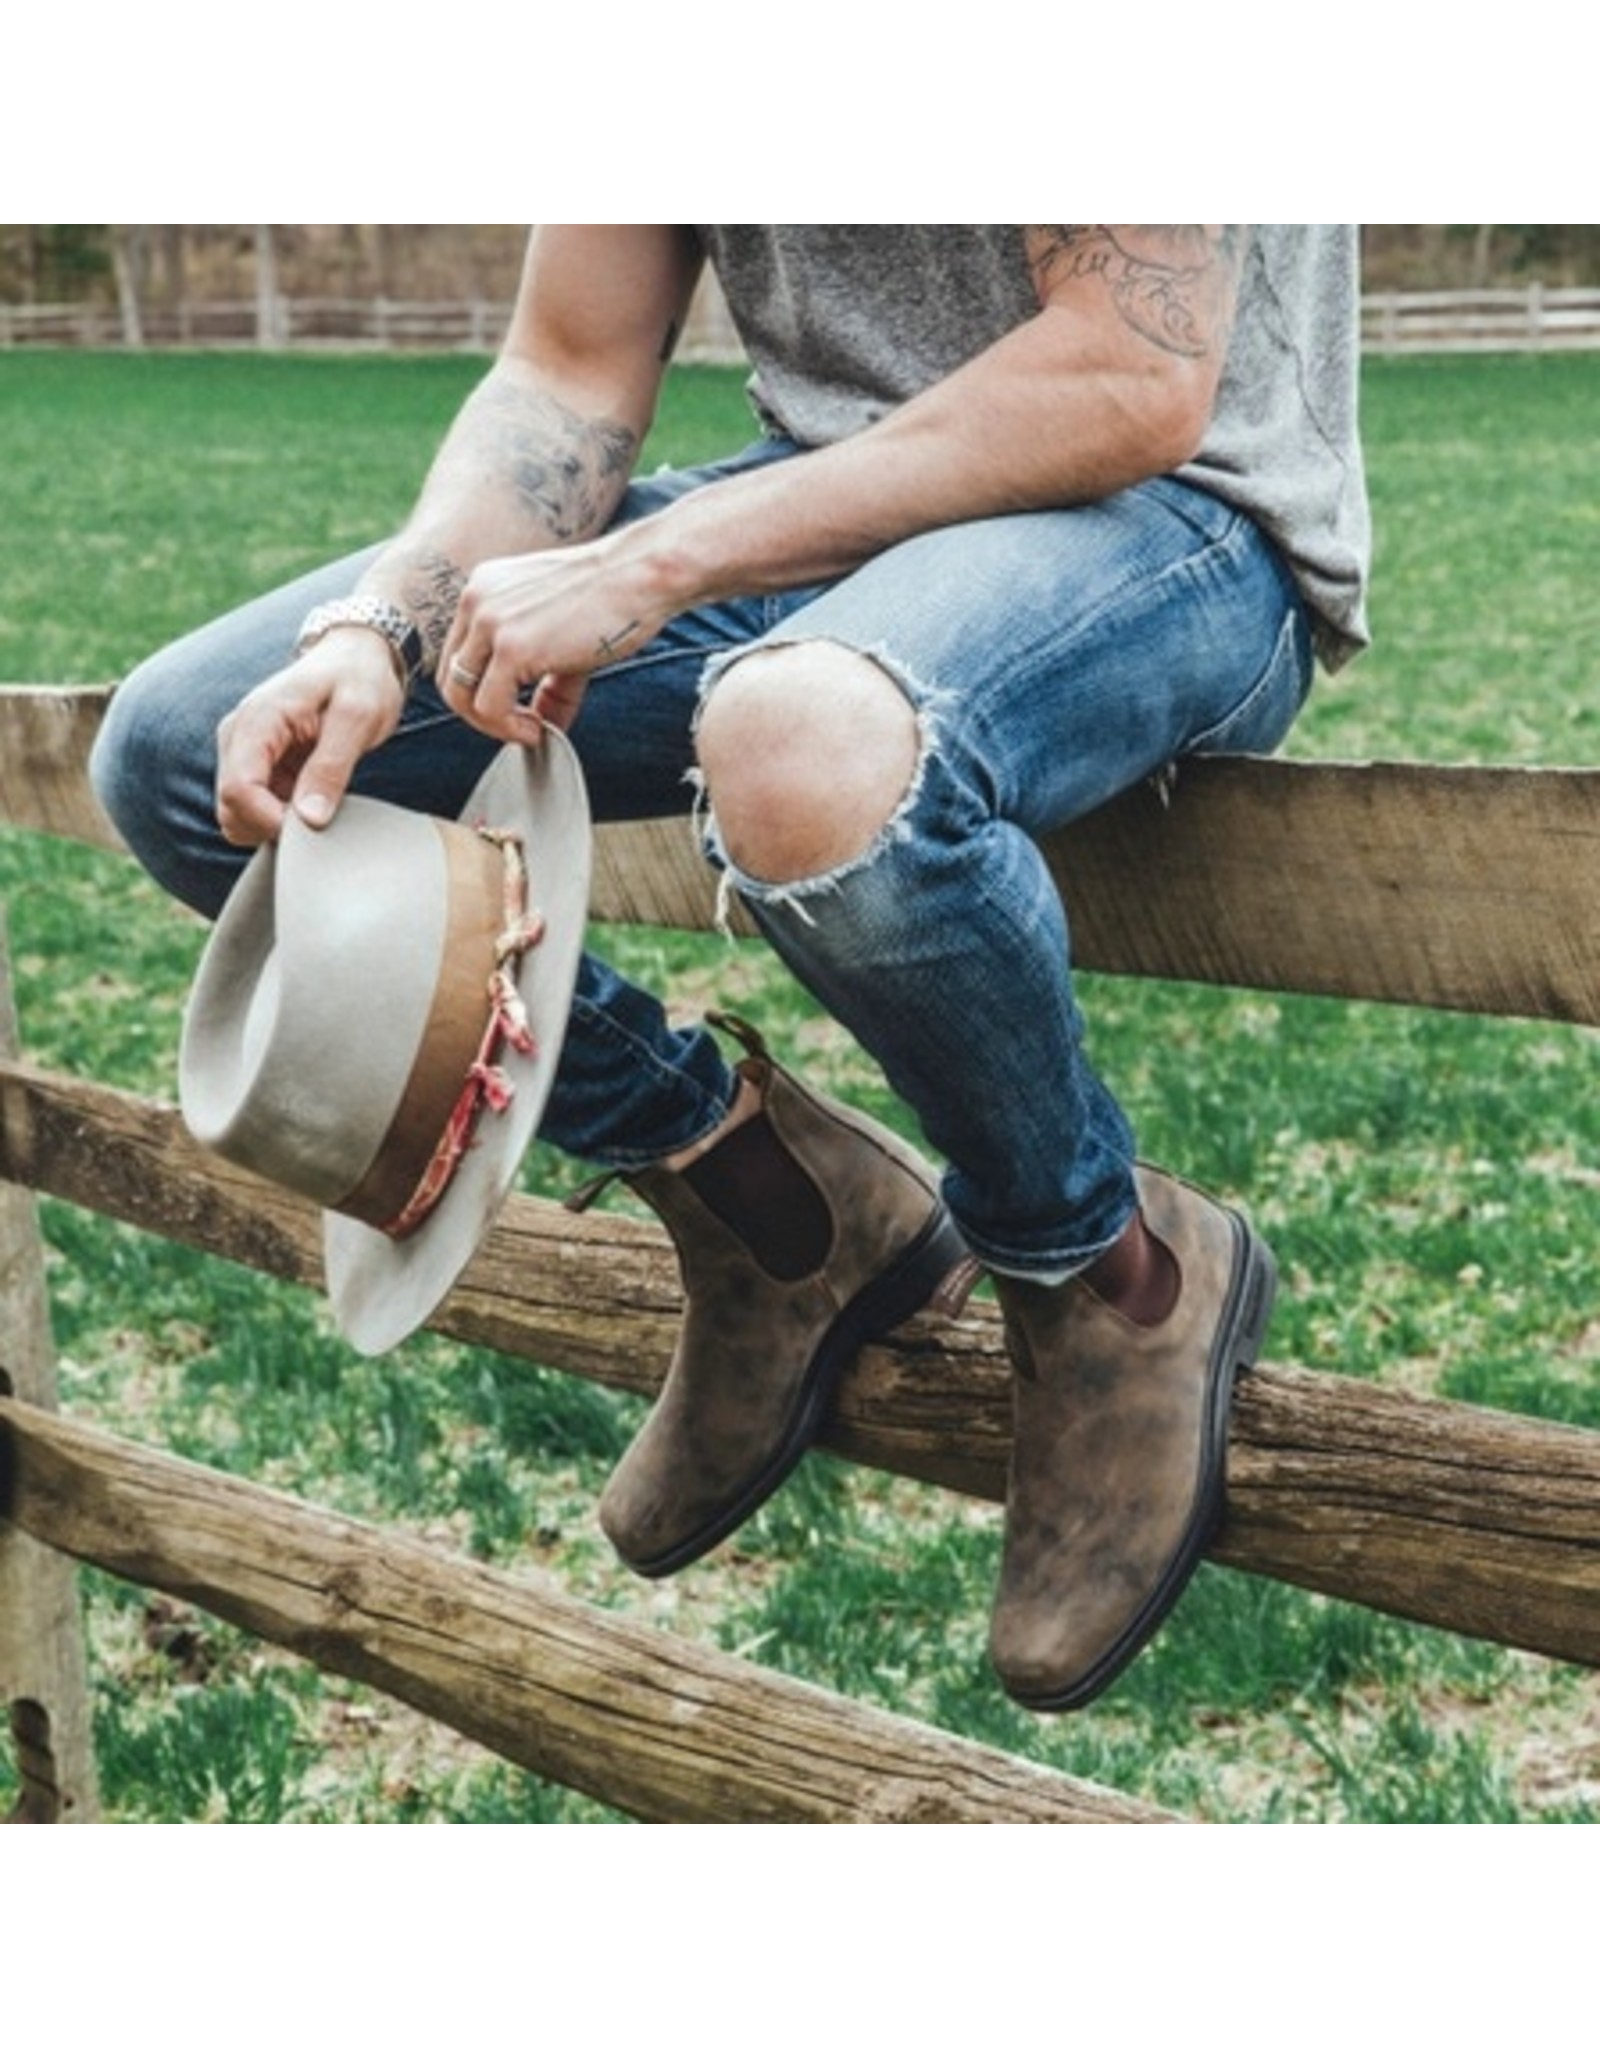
pixel 1241 1332
pixel 896 1294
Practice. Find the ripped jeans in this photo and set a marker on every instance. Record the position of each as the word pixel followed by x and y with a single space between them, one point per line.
pixel 1053 659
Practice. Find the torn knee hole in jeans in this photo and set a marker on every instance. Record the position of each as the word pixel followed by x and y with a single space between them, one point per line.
pixel 799 894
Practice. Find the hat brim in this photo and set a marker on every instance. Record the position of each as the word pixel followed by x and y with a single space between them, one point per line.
pixel 382 1289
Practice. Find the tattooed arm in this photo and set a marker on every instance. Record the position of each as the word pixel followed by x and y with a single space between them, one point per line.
pixel 1173 287
pixel 1111 383
pixel 537 459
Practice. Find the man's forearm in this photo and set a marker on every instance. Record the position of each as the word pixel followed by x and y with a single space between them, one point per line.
pixel 521 470
pixel 955 456
pixel 1111 383
pixel 1032 424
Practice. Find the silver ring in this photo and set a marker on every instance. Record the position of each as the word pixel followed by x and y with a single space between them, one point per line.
pixel 460 673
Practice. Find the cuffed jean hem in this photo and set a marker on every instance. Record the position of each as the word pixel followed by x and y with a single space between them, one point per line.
pixel 1048 1269
pixel 632 1089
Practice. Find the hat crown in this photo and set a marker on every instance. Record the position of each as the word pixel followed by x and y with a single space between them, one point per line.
pixel 310 1007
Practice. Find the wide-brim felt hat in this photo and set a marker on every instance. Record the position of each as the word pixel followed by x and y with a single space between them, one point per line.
pixel 377 1019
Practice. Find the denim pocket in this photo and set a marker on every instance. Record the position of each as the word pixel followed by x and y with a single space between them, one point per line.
pixel 1262 717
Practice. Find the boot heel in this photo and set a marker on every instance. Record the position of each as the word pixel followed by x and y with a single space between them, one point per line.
pixel 926 1265
pixel 1260 1292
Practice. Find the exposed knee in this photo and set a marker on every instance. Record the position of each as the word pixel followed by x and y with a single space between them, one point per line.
pixel 807 751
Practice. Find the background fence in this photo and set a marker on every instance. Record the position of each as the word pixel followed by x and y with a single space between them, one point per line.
pixel 1399 323
pixel 1392 323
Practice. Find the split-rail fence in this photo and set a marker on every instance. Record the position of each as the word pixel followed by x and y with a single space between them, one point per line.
pixel 1365 881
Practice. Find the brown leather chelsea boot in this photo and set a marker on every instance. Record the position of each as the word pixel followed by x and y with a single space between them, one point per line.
pixel 804 1232
pixel 1120 1434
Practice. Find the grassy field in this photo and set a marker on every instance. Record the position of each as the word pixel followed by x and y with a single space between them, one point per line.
pixel 1430 1183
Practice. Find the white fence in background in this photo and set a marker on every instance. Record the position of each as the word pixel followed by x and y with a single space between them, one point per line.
pixel 1412 323
pixel 1392 323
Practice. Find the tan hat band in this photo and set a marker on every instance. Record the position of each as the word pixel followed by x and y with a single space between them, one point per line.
pixel 475 1009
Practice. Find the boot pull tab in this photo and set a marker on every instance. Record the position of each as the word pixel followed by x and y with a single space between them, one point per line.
pixel 953 1292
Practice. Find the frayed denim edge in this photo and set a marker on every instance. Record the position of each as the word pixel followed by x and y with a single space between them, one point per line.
pixel 925 702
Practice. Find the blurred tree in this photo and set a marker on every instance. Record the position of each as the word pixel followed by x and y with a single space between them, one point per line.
pixel 44 264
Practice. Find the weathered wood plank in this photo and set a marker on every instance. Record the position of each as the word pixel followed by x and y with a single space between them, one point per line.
pixel 44 1687
pixel 45 737
pixel 1457 888
pixel 1461 1517
pixel 658 1727
pixel 1461 888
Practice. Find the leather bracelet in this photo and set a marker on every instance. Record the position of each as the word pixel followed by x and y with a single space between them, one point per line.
pixel 405 642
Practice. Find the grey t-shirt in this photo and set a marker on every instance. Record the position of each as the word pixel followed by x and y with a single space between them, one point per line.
pixel 841 324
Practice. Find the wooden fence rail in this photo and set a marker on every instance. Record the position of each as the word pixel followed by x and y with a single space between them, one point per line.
pixel 439 325
pixel 1372 880
pixel 653 1725
pixel 1385 881
pixel 1335 1484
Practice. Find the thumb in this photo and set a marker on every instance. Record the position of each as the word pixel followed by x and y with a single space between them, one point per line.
pixel 325 776
pixel 354 721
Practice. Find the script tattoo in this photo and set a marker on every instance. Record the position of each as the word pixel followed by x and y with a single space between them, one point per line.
pixel 1172 285
pixel 433 588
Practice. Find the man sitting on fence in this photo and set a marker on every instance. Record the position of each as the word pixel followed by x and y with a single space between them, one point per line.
pixel 1034 513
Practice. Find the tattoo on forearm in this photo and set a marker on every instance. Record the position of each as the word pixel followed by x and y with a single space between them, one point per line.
pixel 567 471
pixel 1174 286
pixel 564 472
pixel 432 590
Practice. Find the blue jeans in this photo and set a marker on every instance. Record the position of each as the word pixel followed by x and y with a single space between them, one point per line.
pixel 1053 659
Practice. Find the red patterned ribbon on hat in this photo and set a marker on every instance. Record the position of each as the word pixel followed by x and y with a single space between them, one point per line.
pixel 487 1083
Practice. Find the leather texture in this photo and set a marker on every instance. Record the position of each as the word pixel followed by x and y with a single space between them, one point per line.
pixel 1118 1466
pixel 762 1346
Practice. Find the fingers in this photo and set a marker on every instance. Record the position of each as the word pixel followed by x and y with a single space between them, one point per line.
pixel 497 705
pixel 527 632
pixel 462 676
pixel 489 698
pixel 485 685
pixel 296 738
pixel 478 675
pixel 557 700
pixel 249 805
pixel 464 660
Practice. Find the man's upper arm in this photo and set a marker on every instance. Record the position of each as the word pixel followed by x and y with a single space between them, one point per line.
pixel 1157 301
pixel 598 313
pixel 1173 287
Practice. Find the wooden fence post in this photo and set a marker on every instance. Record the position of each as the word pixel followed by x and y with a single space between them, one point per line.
pixel 43 1676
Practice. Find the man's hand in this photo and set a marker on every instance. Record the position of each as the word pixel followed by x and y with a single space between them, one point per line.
pixel 297 737
pixel 531 629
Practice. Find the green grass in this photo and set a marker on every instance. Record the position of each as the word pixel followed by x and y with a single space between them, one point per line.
pixel 1430 1183
pixel 147 493
pixel 1486 522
